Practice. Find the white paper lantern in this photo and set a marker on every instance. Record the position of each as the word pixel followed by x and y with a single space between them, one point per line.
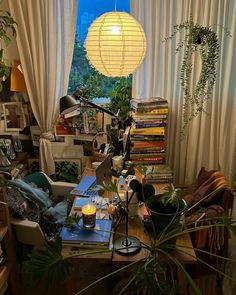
pixel 115 44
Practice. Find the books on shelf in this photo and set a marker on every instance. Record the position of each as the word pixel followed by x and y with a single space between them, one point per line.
pixel 98 237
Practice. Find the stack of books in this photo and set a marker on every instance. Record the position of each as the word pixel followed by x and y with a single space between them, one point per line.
pixel 158 174
pixel 79 237
pixel 148 131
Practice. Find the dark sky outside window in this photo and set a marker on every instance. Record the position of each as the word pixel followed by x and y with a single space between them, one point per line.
pixel 88 10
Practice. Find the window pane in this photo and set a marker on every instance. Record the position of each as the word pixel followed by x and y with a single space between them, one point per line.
pixel 84 80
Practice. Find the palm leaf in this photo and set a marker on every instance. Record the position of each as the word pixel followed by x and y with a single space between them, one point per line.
pixel 47 265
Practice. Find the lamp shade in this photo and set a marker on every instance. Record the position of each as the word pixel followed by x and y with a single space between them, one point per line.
pixel 17 78
pixel 115 44
pixel 68 104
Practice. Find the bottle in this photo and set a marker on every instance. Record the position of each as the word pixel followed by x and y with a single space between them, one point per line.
pixel 121 182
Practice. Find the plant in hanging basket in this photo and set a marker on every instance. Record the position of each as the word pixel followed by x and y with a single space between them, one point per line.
pixel 204 41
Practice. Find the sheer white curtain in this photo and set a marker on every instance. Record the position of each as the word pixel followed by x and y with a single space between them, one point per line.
pixel 45 40
pixel 210 140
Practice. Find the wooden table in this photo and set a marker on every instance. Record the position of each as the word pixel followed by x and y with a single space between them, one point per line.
pixel 93 263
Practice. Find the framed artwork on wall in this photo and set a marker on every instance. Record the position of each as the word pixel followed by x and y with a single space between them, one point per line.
pixel 35 134
pixel 14 116
pixel 64 127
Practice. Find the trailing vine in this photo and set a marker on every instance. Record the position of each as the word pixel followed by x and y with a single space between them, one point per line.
pixel 202 40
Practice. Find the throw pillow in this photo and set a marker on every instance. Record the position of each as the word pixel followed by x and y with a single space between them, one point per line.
pixel 37 194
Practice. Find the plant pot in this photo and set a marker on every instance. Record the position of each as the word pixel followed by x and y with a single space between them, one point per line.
pixel 165 218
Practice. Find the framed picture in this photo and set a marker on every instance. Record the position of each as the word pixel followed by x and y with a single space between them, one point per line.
pixel 14 116
pixel 65 127
pixel 67 170
pixel 35 134
pixel 92 121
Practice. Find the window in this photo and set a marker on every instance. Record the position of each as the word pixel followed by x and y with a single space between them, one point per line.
pixel 86 81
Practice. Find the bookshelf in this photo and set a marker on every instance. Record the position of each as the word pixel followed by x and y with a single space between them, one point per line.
pixel 8 269
pixel 148 138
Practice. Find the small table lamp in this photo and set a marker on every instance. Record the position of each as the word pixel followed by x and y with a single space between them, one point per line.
pixel 69 104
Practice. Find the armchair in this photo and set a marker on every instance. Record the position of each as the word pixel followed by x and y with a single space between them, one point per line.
pixel 37 204
pixel 55 188
pixel 210 198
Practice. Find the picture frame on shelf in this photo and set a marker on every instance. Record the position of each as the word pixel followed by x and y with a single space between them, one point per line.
pixel 14 116
pixel 35 134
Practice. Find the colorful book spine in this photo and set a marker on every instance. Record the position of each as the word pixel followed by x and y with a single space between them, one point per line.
pixel 149 117
pixel 144 156
pixel 151 111
pixel 151 131
pixel 147 125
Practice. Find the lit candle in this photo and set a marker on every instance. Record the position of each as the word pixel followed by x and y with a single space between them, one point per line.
pixel 89 215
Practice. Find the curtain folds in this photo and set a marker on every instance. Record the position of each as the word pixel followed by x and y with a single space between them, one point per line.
pixel 210 139
pixel 45 40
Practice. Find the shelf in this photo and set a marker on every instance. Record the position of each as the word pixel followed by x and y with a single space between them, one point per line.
pixel 8 270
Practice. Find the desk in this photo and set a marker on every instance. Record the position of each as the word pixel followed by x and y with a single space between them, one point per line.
pixel 136 228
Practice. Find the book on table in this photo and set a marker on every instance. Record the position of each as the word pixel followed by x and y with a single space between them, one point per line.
pixel 99 202
pixel 148 102
pixel 97 237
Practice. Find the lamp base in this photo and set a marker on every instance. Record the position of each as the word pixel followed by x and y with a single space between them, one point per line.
pixel 126 246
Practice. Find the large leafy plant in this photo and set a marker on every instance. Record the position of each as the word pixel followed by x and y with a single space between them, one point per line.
pixel 6 23
pixel 202 40
pixel 120 96
pixel 148 275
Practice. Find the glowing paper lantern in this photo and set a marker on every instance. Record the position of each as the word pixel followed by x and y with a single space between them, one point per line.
pixel 115 44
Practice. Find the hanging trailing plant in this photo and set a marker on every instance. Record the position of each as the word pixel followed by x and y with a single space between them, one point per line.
pixel 6 22
pixel 204 41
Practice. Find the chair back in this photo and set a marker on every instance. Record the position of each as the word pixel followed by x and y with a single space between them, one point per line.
pixel 28 232
pixel 41 180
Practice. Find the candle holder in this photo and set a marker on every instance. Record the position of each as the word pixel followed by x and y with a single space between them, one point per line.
pixel 89 215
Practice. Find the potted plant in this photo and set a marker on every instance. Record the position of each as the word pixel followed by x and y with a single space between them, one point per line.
pixel 201 40
pixel 149 275
pixel 6 22
pixel 166 210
